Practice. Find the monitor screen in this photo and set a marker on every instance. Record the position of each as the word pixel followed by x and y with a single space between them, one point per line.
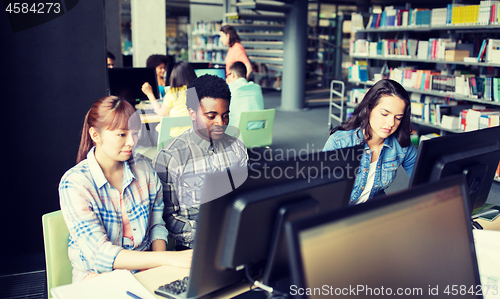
pixel 221 73
pixel 252 235
pixel 126 83
pixel 303 179
pixel 417 243
pixel 475 154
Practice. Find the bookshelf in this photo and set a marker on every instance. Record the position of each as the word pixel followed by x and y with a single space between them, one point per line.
pixel 400 43
pixel 205 45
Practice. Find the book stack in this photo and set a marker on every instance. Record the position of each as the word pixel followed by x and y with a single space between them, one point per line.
pixel 359 71
pixel 468 85
pixel 356 95
pixel 487 12
pixel 479 119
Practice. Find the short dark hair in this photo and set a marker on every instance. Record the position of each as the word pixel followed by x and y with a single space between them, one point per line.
pixel 157 59
pixel 111 56
pixel 239 69
pixel 182 74
pixel 361 115
pixel 207 86
pixel 233 36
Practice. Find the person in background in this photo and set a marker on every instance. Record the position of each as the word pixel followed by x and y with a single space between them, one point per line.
pixel 245 96
pixel 110 60
pixel 111 203
pixel 236 52
pixel 174 102
pixel 382 123
pixel 159 63
pixel 205 148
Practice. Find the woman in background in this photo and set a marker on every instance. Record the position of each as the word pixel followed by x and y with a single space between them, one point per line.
pixel 382 123
pixel 159 63
pixel 113 205
pixel 236 52
pixel 174 103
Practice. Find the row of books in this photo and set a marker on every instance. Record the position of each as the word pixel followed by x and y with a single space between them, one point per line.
pixel 356 95
pixel 467 85
pixel 358 71
pixel 211 56
pixel 208 42
pixel 485 13
pixel 206 27
pixel 433 49
pixel 436 111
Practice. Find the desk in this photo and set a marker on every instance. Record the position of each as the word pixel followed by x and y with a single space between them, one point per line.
pixel 156 277
pixel 147 118
pixel 150 118
pixel 489 225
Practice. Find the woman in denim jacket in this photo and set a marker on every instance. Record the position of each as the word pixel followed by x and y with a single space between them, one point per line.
pixel 382 123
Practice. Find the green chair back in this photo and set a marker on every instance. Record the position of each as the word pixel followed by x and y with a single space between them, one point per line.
pixel 56 239
pixel 168 123
pixel 259 137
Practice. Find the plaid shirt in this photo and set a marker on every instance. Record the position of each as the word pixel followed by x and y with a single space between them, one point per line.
pixel 182 166
pixel 92 211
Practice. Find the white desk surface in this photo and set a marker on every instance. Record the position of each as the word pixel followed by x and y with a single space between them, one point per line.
pixel 156 277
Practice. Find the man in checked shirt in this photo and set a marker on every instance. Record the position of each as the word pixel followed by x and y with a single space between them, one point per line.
pixel 205 148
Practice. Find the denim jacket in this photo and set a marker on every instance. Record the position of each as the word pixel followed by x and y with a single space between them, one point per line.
pixel 392 155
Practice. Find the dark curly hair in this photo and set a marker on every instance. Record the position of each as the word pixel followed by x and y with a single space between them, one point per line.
pixel 361 116
pixel 207 86
pixel 157 59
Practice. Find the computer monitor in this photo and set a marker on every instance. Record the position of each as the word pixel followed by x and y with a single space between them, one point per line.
pixel 221 73
pixel 126 83
pixel 475 154
pixel 252 235
pixel 415 244
pixel 280 177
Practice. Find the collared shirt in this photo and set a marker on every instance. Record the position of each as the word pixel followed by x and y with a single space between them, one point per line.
pixel 182 166
pixel 92 211
pixel 391 156
pixel 245 96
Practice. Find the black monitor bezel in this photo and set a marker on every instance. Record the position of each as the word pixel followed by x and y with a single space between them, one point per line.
pixel 292 228
pixel 207 276
pixel 270 200
pixel 434 154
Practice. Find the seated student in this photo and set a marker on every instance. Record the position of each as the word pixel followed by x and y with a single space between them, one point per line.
pixel 205 148
pixel 245 96
pixel 174 102
pixel 113 205
pixel 159 63
pixel 381 122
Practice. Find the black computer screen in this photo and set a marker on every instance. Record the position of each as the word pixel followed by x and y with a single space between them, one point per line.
pixel 475 154
pixel 252 235
pixel 126 83
pixel 298 179
pixel 415 244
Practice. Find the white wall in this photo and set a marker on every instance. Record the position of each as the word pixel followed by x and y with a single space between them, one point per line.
pixel 148 29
